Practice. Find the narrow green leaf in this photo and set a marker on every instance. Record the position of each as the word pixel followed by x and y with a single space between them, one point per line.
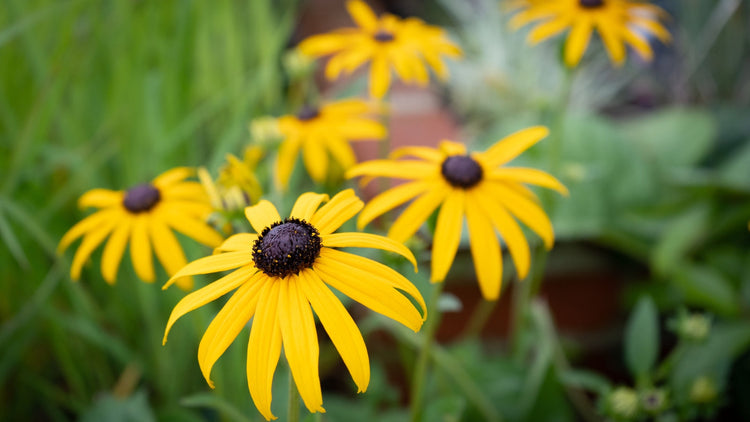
pixel 679 236
pixel 642 338
pixel 707 287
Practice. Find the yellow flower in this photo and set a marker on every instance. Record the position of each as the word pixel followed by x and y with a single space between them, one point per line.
pixel 145 215
pixel 475 186
pixel 619 22
pixel 389 42
pixel 324 130
pixel 283 271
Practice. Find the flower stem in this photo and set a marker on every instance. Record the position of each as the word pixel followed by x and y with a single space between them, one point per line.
pixel 479 318
pixel 293 412
pixel 420 370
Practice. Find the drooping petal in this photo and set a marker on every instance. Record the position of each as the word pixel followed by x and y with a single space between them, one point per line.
pixel 140 249
pixel 577 42
pixel 417 212
pixel 100 198
pixel 513 145
pixel 315 158
pixel 300 342
pixel 209 293
pixel 342 207
pixel 323 44
pixel 238 242
pixel 341 152
pixel 547 29
pixel 525 210
pixel 172 176
pixel 390 199
pixel 362 286
pixel 86 225
pixel 190 191
pixel 264 348
pixel 115 249
pixel 367 240
pixel 425 153
pixel 485 252
pixel 356 129
pixel 380 77
pixel 527 175
pixel 403 169
pixel 168 251
pixel 262 215
pixel 228 323
pixel 340 327
pixel 638 43
pixel 287 156
pixel 91 241
pixel 211 264
pixel 447 234
pixel 190 227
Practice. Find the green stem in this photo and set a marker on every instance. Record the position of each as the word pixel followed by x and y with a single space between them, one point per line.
pixel 293 412
pixel 479 318
pixel 420 371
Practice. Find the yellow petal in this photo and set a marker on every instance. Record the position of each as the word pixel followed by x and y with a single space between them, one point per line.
pixel 640 45
pixel 390 199
pixel 172 176
pixel 340 327
pixel 190 191
pixel 300 342
pixel 653 27
pixel 417 212
pixel 100 198
pixel 262 215
pixel 238 242
pixel 401 169
pixel 508 228
pixel 315 158
pixel 525 210
pixel 380 77
pixel 527 175
pixel 363 16
pixel 367 240
pixel 86 225
pixel 367 289
pixel 485 252
pixel 168 251
pixel 140 249
pixel 547 29
pixel 513 145
pixel 190 227
pixel 449 148
pixel 343 206
pixel 114 249
pixel 426 153
pixel 91 241
pixel 382 272
pixel 447 235
pixel 577 42
pixel 211 264
pixel 612 42
pixel 209 293
pixel 341 151
pixel 323 44
pixel 228 323
pixel 264 348
pixel 287 156
pixel 306 204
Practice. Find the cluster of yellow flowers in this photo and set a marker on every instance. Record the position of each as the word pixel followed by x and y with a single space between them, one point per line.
pixel 284 271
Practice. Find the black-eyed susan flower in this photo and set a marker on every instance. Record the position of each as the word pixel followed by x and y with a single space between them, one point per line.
pixel 321 132
pixel 404 45
pixel 284 273
pixel 618 22
pixel 143 216
pixel 476 186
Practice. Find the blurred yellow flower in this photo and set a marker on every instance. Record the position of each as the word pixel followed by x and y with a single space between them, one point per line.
pixel 619 22
pixel 324 130
pixel 283 271
pixel 144 215
pixel 404 45
pixel 475 186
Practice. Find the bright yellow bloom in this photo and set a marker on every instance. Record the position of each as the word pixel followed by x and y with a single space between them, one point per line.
pixel 323 131
pixel 283 271
pixel 145 215
pixel 475 186
pixel 404 45
pixel 619 22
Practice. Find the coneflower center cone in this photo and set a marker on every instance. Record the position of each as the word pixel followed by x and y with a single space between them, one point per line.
pixel 383 36
pixel 308 113
pixel 591 4
pixel 461 171
pixel 286 247
pixel 141 198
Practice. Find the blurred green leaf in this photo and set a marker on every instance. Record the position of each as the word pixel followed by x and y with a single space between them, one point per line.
pixel 445 409
pixel 216 402
pixel 707 287
pixel 585 380
pixel 642 338
pixel 736 170
pixel 673 136
pixel 112 409
pixel 682 233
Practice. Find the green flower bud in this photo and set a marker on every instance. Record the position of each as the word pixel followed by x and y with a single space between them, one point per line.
pixel 694 327
pixel 703 390
pixel 622 403
pixel 654 400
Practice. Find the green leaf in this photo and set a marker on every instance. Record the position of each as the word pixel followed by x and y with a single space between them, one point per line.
pixel 642 338
pixel 677 239
pixel 674 137
pixel 705 286
pixel 586 380
pixel 112 409
pixel 216 402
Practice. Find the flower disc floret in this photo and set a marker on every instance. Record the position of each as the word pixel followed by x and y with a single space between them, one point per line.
pixel 141 198
pixel 383 36
pixel 461 171
pixel 308 113
pixel 286 247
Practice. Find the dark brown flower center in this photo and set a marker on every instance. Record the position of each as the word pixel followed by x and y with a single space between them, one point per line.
pixel 141 198
pixel 461 171
pixel 286 247
pixel 308 113
pixel 591 4
pixel 383 36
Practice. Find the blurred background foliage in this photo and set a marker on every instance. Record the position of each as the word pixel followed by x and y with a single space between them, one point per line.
pixel 656 156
